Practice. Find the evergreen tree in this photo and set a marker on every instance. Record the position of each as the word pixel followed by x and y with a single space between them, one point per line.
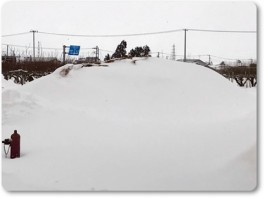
pixel 146 50
pixel 107 57
pixel 222 63
pixel 120 50
pixel 140 51
pixel 132 53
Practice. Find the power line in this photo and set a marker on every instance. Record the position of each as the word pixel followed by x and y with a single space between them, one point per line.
pixel 113 35
pixel 17 34
pixel 21 46
pixel 147 33
pixel 106 50
pixel 135 34
pixel 51 48
pixel 85 48
pixel 229 58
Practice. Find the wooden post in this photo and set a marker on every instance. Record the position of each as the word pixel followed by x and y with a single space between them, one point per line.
pixel 184 45
pixel 63 54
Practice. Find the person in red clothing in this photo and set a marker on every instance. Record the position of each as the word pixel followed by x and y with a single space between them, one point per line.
pixel 15 145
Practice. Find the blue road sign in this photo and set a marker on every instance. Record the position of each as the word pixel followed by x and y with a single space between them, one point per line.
pixel 74 50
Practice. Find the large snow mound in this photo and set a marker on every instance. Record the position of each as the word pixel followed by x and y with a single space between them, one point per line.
pixel 148 124
pixel 7 84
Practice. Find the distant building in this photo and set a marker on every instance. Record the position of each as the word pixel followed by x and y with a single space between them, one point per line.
pixel 88 60
pixel 221 67
pixel 196 61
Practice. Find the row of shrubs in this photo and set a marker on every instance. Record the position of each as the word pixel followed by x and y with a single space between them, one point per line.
pixel 37 67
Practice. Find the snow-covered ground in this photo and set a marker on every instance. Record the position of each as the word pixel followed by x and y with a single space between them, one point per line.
pixel 7 84
pixel 156 125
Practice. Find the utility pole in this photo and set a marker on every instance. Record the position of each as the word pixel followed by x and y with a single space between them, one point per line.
pixel 38 49
pixel 96 53
pixel 185 30
pixel 33 31
pixel 173 52
pixel 63 54
pixel 7 50
pixel 209 59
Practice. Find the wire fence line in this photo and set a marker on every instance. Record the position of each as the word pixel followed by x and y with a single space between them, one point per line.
pixel 86 49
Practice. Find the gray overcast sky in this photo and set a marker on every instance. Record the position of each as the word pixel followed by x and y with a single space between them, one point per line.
pixel 127 17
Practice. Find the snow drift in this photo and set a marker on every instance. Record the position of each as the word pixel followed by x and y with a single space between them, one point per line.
pixel 147 125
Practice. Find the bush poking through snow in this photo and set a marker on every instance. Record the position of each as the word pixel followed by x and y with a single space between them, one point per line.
pixel 65 71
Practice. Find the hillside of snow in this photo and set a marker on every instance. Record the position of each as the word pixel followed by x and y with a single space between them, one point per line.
pixel 152 125
pixel 7 84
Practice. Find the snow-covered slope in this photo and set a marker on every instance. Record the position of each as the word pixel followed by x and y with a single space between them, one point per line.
pixel 7 84
pixel 149 125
